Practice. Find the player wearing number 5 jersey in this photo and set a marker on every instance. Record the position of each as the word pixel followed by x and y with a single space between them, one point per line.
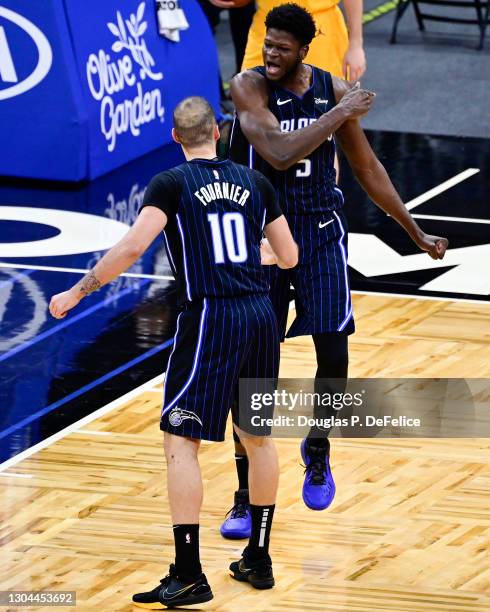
pixel 213 213
pixel 287 114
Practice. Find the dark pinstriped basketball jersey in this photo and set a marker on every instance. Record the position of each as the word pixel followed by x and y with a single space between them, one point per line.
pixel 308 186
pixel 216 213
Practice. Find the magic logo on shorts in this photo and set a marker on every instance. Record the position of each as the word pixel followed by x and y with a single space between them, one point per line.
pixel 177 416
pixel 109 77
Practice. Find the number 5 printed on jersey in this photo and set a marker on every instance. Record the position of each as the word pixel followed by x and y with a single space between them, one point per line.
pixel 306 170
pixel 231 226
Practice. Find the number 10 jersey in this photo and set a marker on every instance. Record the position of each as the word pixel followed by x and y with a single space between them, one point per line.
pixel 216 212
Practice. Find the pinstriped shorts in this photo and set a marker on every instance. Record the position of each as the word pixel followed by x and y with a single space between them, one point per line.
pixel 217 342
pixel 320 280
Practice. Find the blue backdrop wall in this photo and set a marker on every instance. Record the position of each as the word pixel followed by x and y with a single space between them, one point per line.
pixel 87 86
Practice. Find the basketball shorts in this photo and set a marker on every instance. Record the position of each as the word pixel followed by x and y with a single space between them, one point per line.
pixel 326 50
pixel 320 280
pixel 217 342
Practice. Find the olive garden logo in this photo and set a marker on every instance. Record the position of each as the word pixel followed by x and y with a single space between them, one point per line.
pixel 107 77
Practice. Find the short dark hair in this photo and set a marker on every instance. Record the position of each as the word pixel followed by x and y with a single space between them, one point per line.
pixel 293 19
pixel 194 121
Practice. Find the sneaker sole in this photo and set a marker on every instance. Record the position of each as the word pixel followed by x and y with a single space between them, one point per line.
pixel 318 508
pixel 235 535
pixel 185 601
pixel 257 584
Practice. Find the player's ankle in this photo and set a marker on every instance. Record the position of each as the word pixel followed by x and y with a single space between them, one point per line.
pixel 318 440
pixel 241 461
pixel 254 554
pixel 188 576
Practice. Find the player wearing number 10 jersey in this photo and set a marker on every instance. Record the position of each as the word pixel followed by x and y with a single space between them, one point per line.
pixel 217 212
pixel 213 213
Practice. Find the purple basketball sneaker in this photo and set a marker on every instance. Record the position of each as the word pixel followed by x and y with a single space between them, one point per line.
pixel 319 486
pixel 238 522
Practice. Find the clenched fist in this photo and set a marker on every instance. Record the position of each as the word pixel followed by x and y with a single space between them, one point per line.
pixel 62 303
pixel 357 101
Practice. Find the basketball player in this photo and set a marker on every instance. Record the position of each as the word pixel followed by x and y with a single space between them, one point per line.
pixel 213 213
pixel 287 112
pixel 338 48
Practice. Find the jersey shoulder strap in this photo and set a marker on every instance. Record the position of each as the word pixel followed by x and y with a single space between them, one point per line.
pixel 324 84
pixel 259 69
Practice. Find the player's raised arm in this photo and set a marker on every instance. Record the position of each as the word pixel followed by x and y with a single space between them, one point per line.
pixel 262 129
pixel 149 224
pixel 374 179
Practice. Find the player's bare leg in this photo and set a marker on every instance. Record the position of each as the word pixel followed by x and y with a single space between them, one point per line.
pixel 255 566
pixel 263 474
pixel 185 583
pixel 184 482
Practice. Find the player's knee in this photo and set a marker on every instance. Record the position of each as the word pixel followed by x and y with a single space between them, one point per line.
pixel 179 446
pixel 253 444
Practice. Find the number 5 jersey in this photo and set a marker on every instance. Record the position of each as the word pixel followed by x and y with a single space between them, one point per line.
pixel 308 186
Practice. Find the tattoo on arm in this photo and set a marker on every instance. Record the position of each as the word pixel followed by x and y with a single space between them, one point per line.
pixel 89 283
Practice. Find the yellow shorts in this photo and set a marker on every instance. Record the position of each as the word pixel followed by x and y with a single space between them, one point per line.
pixel 327 49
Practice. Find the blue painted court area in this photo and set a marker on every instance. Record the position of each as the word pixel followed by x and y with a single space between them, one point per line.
pixel 55 372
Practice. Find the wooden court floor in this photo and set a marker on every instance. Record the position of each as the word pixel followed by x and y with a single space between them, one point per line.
pixel 409 530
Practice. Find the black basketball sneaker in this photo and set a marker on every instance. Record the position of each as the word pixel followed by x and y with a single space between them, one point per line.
pixel 258 573
pixel 174 591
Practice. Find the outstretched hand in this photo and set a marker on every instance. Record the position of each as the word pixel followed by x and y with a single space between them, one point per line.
pixel 62 303
pixel 435 246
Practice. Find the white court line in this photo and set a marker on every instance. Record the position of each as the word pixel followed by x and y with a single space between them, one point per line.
pixel 15 266
pixel 75 426
pixel 15 475
pixel 460 219
pixel 411 297
pixel 462 176
pixel 91 432
pixel 422 297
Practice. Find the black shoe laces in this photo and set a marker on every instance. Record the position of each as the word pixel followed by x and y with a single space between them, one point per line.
pixel 317 467
pixel 239 510
pixel 164 581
